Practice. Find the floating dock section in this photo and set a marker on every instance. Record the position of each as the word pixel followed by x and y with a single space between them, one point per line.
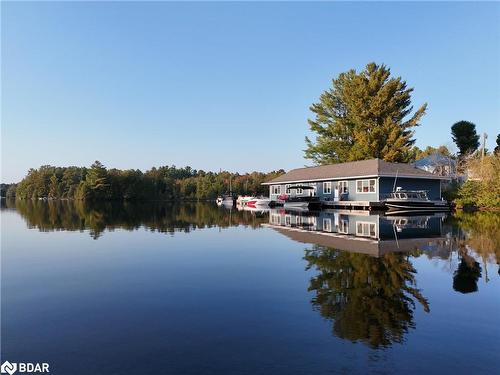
pixel 354 205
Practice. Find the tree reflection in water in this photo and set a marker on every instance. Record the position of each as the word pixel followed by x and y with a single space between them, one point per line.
pixel 370 300
pixel 155 216
pixel 467 275
pixel 480 234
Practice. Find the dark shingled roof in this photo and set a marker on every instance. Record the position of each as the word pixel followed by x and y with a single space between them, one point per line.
pixel 362 168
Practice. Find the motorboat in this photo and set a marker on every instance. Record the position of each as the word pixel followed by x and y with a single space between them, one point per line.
pixel 259 202
pixel 293 201
pixel 243 199
pixel 302 203
pixel 403 200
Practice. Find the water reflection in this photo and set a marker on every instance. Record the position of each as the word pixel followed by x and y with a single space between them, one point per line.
pixel 369 299
pixel 471 237
pixel 155 216
pixel 359 231
pixel 467 275
pixel 364 278
pixel 478 233
pixel 365 282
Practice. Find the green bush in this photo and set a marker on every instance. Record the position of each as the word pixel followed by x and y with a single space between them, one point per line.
pixel 450 192
pixel 477 194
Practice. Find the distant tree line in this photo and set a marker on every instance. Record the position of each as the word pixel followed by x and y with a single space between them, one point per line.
pixel 163 183
pixel 7 190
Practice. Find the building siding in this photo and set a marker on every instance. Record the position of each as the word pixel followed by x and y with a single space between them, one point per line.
pixel 353 195
pixel 383 186
pixel 433 187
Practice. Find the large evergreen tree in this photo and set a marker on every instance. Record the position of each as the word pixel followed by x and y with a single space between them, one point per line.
pixel 96 184
pixel 362 116
pixel 465 137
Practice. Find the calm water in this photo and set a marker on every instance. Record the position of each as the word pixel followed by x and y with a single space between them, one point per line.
pixel 194 289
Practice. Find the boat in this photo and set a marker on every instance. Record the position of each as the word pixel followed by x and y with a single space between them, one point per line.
pixel 302 203
pixel 259 202
pixel 259 210
pixel 405 200
pixel 298 201
pixel 225 200
pixel 243 199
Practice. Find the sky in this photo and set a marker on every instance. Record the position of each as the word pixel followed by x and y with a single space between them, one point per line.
pixel 225 85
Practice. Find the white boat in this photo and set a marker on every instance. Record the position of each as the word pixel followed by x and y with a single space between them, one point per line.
pixel 259 202
pixel 296 204
pixel 225 200
pixel 243 199
pixel 294 201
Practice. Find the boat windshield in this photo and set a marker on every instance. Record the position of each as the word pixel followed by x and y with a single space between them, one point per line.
pixel 408 195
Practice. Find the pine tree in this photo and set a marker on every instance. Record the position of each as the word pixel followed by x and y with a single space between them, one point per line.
pixel 465 137
pixel 54 189
pixel 97 182
pixel 362 116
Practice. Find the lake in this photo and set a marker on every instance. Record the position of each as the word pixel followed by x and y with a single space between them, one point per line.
pixel 153 288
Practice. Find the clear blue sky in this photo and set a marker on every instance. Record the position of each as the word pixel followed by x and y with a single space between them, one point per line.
pixel 225 85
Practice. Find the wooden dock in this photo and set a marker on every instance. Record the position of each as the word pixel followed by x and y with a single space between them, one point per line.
pixel 354 205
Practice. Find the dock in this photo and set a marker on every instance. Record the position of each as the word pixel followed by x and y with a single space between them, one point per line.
pixel 354 205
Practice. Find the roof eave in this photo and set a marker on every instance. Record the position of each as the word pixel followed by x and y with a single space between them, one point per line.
pixel 428 177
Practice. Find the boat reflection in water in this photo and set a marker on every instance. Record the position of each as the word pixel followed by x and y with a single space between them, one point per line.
pixel 358 231
pixel 364 280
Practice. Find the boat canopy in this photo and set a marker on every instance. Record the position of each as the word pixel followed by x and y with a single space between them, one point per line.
pixel 303 187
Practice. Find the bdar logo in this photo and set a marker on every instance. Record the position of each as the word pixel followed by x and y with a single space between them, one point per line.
pixel 8 368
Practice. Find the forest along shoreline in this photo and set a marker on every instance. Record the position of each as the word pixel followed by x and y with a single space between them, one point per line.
pixel 167 183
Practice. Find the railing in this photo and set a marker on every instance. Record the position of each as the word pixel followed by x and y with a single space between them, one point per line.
pixel 417 194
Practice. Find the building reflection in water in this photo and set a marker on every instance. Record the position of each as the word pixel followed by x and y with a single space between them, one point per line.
pixel 364 280
pixel 359 231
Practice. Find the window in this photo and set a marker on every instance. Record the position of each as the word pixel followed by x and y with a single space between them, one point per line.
pixel 327 225
pixel 276 189
pixel 365 186
pixel 343 226
pixel 288 220
pixel 298 220
pixel 365 229
pixel 343 187
pixel 275 219
pixel 327 187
